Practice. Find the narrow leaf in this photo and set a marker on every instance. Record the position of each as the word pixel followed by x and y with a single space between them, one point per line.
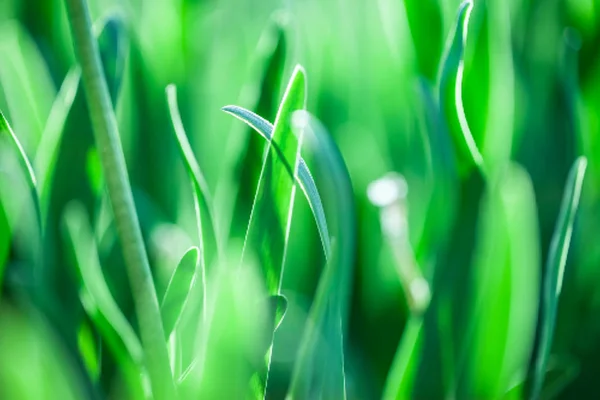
pixel 505 279
pixel 19 203
pixel 304 178
pixel 320 369
pixel 270 220
pixel 450 93
pixel 111 52
pixel 98 301
pixel 555 268
pixel 247 150
pixel 178 290
pixel 205 216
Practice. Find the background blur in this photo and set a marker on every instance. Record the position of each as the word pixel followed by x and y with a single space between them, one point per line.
pixel 531 94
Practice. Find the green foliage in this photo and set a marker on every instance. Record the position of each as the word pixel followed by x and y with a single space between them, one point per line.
pixel 158 249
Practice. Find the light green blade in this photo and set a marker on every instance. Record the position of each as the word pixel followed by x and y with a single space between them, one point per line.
pixel 450 94
pixel 109 27
pixel 20 220
pixel 98 301
pixel 205 216
pixel 303 178
pixel 179 289
pixel 319 369
pixel 270 219
pixel 505 284
pixel 25 83
pixel 555 269
pixel 235 192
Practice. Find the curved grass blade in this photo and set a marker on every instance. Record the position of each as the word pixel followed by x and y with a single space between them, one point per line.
pixel 304 178
pixel 270 219
pixel 505 279
pixel 110 33
pixel 555 268
pixel 278 305
pixel 26 82
pixel 271 216
pixel 19 202
pixel 205 216
pixel 320 370
pixel 47 152
pixel 247 150
pixel 450 93
pixel 560 372
pixel 401 376
pixel 97 300
pixel 443 166
pixel 179 289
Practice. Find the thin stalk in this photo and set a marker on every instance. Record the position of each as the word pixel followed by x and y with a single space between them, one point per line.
pixel 106 135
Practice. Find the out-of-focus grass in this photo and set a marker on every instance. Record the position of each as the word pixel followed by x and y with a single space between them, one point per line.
pixel 486 165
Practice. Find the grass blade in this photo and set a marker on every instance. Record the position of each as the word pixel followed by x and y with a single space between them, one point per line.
pixel 98 301
pixel 555 268
pixel 450 93
pixel 320 369
pixel 270 219
pixel 19 202
pixel 303 178
pixel 248 150
pixel 205 215
pixel 106 135
pixel 505 280
pixel 26 83
pixel 47 152
pixel 178 290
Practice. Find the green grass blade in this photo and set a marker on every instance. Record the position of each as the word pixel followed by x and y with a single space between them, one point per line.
pixel 205 215
pixel 26 83
pixel 401 376
pixel 278 305
pixel 320 369
pixel 304 178
pixel 234 339
pixel 505 280
pixel 555 268
pixel 270 219
pixel 5 129
pixel 247 150
pixel 111 34
pixel 97 299
pixel 47 152
pixel 107 138
pixel 450 93
pixel 443 166
pixel 21 215
pixel 178 290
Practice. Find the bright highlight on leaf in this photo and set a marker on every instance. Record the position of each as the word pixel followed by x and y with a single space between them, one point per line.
pixel 179 289
pixel 555 269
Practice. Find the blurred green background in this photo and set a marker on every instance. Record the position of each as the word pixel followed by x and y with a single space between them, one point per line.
pixel 531 94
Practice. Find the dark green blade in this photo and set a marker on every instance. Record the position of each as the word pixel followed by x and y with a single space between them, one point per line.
pixel 320 370
pixel 555 268
pixel 98 302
